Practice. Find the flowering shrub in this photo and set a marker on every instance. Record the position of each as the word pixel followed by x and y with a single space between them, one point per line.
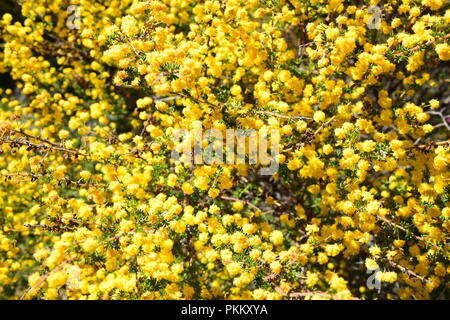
pixel 94 205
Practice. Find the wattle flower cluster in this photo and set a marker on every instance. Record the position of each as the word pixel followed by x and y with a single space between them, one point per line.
pixel 94 206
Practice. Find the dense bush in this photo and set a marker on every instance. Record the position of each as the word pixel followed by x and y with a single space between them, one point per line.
pixel 95 206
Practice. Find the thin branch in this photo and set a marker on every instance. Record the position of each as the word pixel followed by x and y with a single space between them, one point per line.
pixel 407 271
pixel 244 201
pixel 44 277
pixel 422 45
pixel 403 229
pixel 444 118
pixel 283 116
pixel 297 295
pixel 324 125
pixel 188 96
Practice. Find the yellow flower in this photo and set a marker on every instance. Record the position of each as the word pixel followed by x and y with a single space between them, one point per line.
pixel 276 237
pixel 213 192
pixel 238 206
pixel 443 50
pixel 371 264
pixel 63 134
pixel 319 116
pixel 389 277
pixel 311 279
pixel 235 90
pixel 129 26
